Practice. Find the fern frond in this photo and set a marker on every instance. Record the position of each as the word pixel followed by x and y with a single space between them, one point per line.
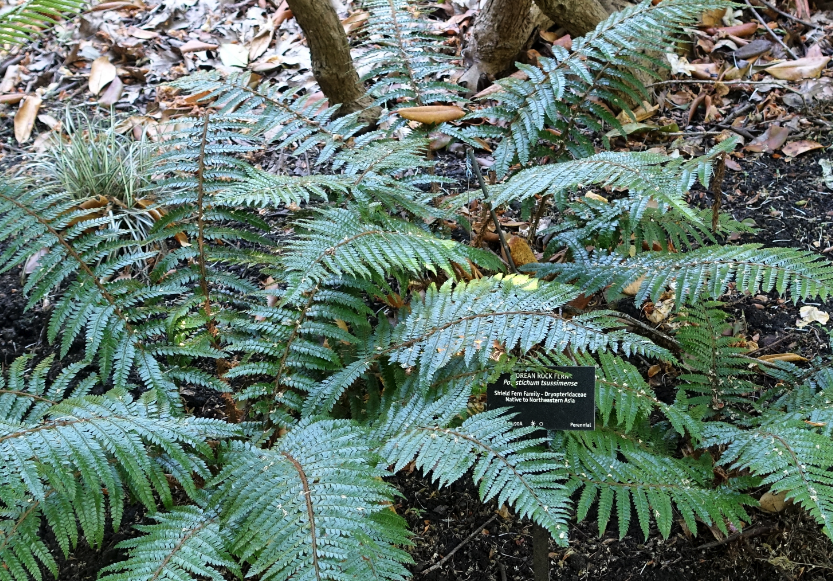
pixel 566 92
pixel 184 543
pixel 70 462
pixel 702 273
pixel 345 242
pixel 402 58
pixel 468 319
pixel 311 507
pixel 606 467
pixel 282 118
pixel 788 456
pixel 506 465
pixel 716 368
pixel 23 22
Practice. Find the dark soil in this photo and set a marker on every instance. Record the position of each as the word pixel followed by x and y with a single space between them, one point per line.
pixel 791 546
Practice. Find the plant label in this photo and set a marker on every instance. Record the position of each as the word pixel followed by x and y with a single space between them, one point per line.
pixel 563 398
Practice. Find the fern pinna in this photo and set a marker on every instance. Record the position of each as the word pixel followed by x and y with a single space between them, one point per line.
pixel 348 342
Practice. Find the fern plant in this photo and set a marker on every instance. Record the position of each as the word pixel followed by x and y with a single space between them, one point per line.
pixel 351 346
pixel 20 23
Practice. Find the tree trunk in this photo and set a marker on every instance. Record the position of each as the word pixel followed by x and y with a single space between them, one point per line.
pixel 578 16
pixel 500 33
pixel 329 49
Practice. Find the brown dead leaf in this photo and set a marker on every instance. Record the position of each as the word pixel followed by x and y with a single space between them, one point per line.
pixel 104 6
pixel 794 148
pixel 643 112
pixel 432 114
pixel 11 98
pixel 803 68
pixel 774 502
pixel 705 71
pixel 711 18
pixel 653 370
pixel 142 34
pixel 101 73
pixel 261 42
pixel 740 30
pixel 355 21
pixel 10 79
pixel 197 46
pixel 282 14
pixel 789 357
pixel 633 288
pixel 24 119
pixel 521 252
pixel 597 197
pixel 770 140
pixel 112 93
pixel 732 164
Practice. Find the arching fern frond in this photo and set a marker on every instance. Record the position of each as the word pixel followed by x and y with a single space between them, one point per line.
pixel 606 467
pixel 567 92
pixel 370 245
pixel 20 23
pixel 184 542
pixel 311 506
pixel 468 320
pixel 702 273
pixel 71 463
pixel 281 117
pixel 505 464
pixel 789 456
pixel 404 59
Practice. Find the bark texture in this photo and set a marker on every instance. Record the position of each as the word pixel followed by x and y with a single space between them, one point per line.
pixel 329 49
pixel 578 16
pixel 500 34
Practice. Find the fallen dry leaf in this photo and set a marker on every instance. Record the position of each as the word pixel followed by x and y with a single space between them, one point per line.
pixel 234 55
pixel 770 140
pixel 803 68
pixel 24 119
pixel 142 33
pixel 661 311
pixel 643 112
pixel 431 114
pixel 355 21
pixel 679 64
pixel 633 288
pixel 261 42
pixel 741 30
pixel 811 314
pixel 10 79
pixel 101 73
pixel 790 357
pixel 50 121
pixel 11 98
pixel 521 252
pixel 595 196
pixel 112 93
pixel 774 501
pixel 197 46
pixel 104 6
pixel 705 71
pixel 794 148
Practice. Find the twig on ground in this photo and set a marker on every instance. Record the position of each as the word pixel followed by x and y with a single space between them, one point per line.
pixel 790 16
pixel 442 561
pixel 750 532
pixel 774 36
